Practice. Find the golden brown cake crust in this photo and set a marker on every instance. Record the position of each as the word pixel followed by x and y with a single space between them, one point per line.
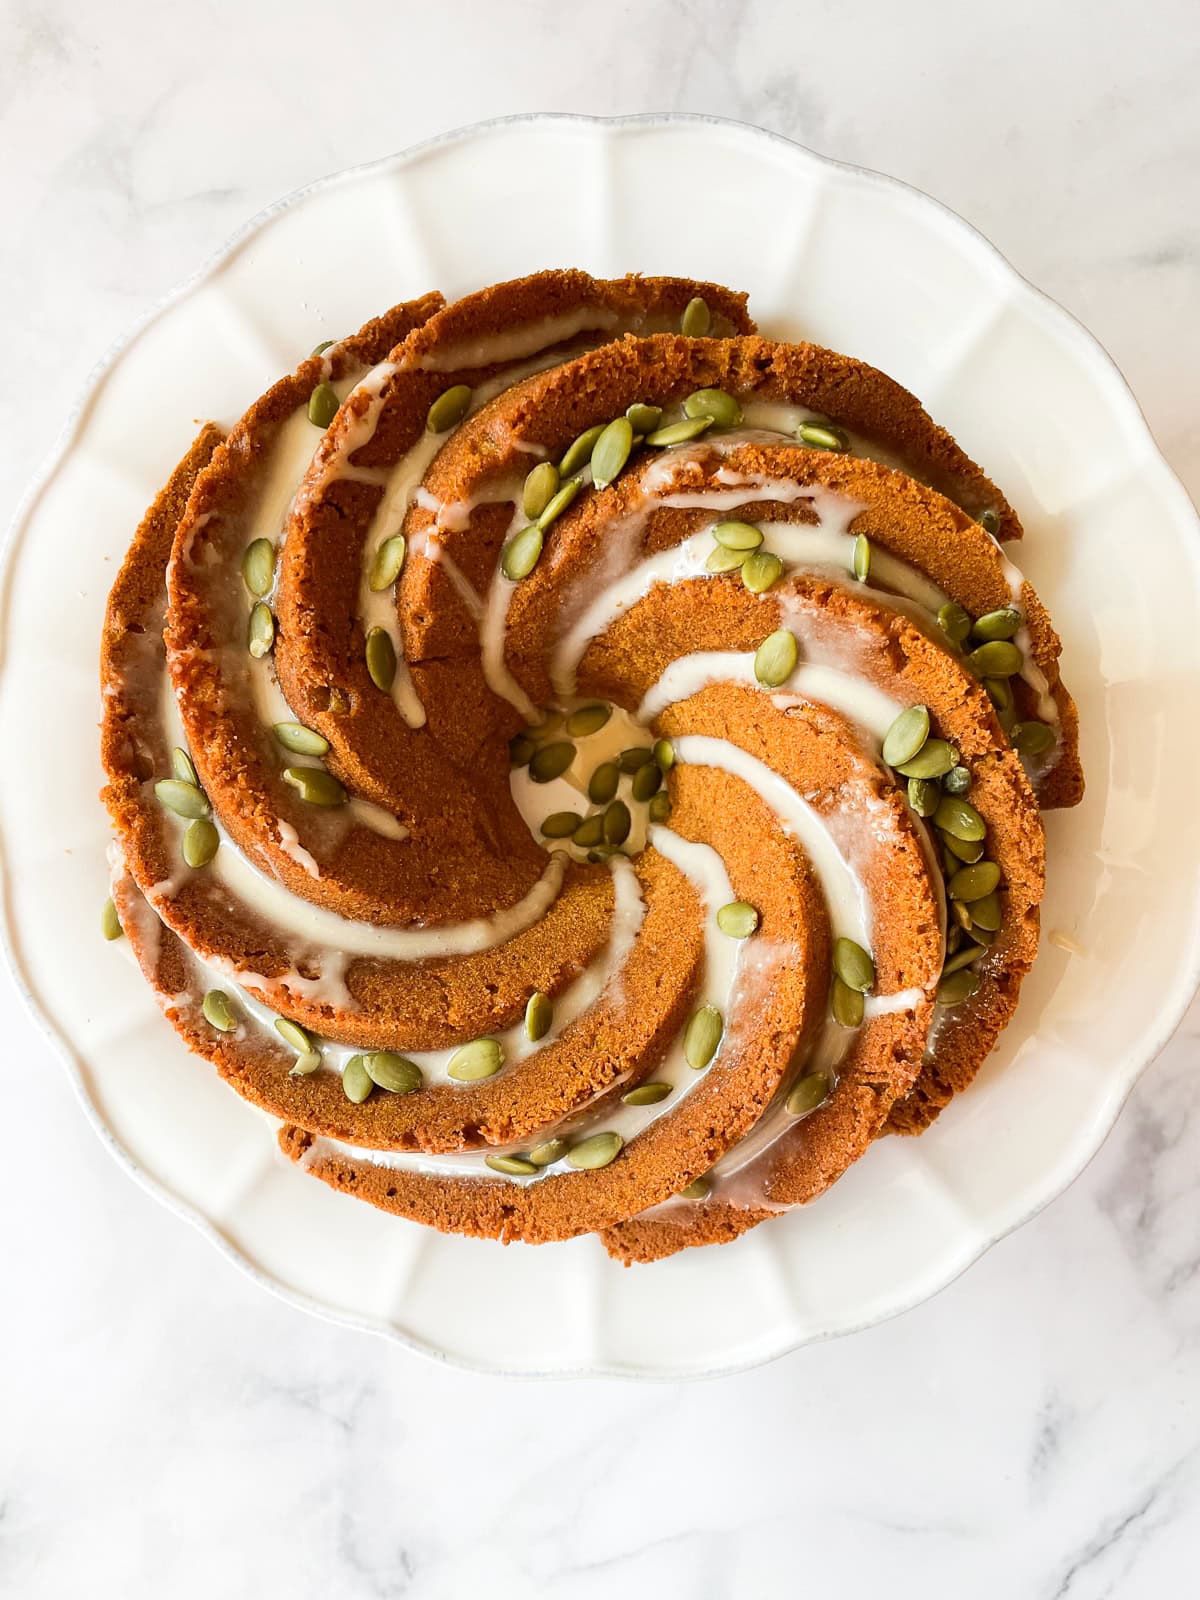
pixel 551 409
pixel 469 852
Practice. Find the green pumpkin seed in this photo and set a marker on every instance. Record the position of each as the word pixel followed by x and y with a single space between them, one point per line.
pixel 322 405
pixel 511 1166
pixel 561 824
pixel 611 452
pixel 200 842
pixel 761 570
pixel 643 418
pixel 999 692
pixel 959 986
pixel 548 1154
pixel 357 1083
pixel 541 486
pixel 981 936
pixel 315 786
pixel 550 761
pixel 721 560
pixel 448 410
pixel 924 795
pixel 258 567
pixel 181 766
pixel 960 914
pixel 110 923
pixel 853 965
pixel 482 1058
pixel 737 535
pixel 647 781
pixel 968 850
pixel 702 1036
pixel 596 1152
pixel 522 553
pixel 989 521
pixel 678 432
pixel 715 403
pixel 260 631
pixel 637 755
pixel 954 938
pixel 305 1065
pixel 933 760
pixel 957 781
pixel 954 621
pixel 860 563
pixel 664 754
pixel 809 1092
pixel 218 1011
pixel 325 344
pixel 696 319
pixel 646 1094
pixel 184 799
pixel 738 920
pixel 590 831
pixel 776 657
pixel 559 502
pixel 617 822
pixel 966 957
pixel 302 741
pixel 959 818
pixel 1006 716
pixel 292 1033
pixel 1032 738
pixel 822 436
pixel 587 720
pixel 996 659
pixel 846 1003
pixel 972 883
pixel 545 1155
pixel 539 1015
pixel 986 914
pixel 1002 624
pixel 660 807
pixel 580 451
pixel 387 563
pixel 603 783
pixel 698 1189
pixel 394 1073
pixel 381 658
pixel 906 736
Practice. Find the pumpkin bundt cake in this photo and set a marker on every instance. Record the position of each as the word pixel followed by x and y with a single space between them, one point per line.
pixel 577 763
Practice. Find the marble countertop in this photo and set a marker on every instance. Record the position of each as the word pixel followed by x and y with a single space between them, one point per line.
pixel 168 1428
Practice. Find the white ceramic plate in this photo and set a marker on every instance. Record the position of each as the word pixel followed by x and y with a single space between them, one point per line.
pixel 828 253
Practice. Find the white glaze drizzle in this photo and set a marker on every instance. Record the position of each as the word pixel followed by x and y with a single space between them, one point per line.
pixel 842 886
pixel 856 699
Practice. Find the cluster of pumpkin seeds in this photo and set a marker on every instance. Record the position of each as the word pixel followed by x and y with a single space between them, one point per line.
pixel 605 449
pixel 371 1070
pixel 548 748
pixel 990 651
pixel 938 785
pixel 853 980
pixel 586 1155
pixel 181 793
pixel 258 574
pixel 738 547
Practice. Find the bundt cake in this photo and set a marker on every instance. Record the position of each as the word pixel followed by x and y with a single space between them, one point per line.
pixel 576 763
